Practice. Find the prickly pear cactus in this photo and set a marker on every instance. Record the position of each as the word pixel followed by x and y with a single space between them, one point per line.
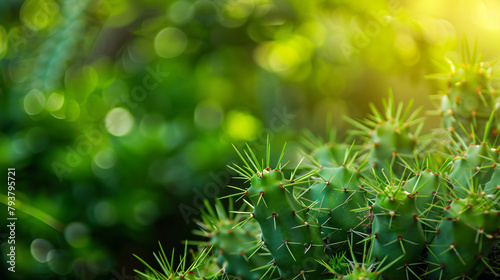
pixel 470 98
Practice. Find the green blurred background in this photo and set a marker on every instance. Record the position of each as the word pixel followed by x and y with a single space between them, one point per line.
pixel 119 115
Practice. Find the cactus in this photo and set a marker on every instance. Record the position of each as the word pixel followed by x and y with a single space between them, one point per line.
pixel 472 171
pixel 235 242
pixel 404 214
pixel 289 232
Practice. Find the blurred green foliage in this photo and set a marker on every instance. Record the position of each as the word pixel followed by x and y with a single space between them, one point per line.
pixel 114 112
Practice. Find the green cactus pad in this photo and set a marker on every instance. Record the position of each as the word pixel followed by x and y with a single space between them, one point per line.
pixel 431 192
pixel 291 235
pixel 338 193
pixel 397 231
pixel 472 171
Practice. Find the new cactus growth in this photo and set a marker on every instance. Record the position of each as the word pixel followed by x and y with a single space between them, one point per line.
pixel 367 269
pixel 388 135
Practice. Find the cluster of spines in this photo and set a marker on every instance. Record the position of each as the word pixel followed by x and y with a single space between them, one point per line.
pixel 235 241
pixel 325 153
pixel 199 269
pixel 389 137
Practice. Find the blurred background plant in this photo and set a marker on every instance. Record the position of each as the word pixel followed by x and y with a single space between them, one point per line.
pixel 118 114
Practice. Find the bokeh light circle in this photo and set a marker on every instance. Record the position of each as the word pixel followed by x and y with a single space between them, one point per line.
pixel 59 261
pixel 55 102
pixel 40 249
pixel 170 42
pixel 77 234
pixel 242 125
pixel 146 212
pixel 180 12
pixel 105 158
pixel 119 121
pixel 34 102
pixel 208 115
pixel 105 213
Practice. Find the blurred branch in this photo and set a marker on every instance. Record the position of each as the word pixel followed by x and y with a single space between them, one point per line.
pixel 35 213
